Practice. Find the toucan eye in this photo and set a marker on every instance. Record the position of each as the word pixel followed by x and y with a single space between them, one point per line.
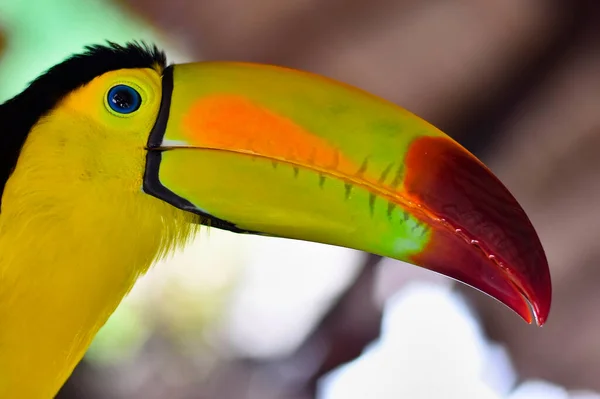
pixel 124 99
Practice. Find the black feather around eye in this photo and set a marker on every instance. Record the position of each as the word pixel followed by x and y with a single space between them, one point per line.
pixel 19 114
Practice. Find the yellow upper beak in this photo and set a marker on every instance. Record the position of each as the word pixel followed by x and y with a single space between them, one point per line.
pixel 273 151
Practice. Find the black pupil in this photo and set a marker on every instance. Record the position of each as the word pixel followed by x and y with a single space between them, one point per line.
pixel 123 99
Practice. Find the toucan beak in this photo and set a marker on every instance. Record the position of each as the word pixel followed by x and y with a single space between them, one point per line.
pixel 273 151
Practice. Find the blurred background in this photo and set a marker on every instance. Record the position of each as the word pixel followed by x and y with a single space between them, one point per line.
pixel 515 81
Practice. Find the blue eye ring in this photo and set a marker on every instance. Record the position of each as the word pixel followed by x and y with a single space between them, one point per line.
pixel 124 99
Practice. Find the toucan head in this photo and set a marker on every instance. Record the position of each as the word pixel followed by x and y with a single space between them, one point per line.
pixel 272 151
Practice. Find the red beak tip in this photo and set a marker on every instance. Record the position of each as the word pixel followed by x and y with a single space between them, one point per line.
pixel 457 188
pixel 536 308
pixel 540 313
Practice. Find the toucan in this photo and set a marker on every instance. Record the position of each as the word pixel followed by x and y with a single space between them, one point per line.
pixel 113 159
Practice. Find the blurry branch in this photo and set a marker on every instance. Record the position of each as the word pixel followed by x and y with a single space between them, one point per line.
pixel 83 383
pixel 341 336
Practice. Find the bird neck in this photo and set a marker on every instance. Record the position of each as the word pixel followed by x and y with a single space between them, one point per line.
pixel 67 258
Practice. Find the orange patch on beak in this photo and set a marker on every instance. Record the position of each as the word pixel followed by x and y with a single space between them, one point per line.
pixel 234 123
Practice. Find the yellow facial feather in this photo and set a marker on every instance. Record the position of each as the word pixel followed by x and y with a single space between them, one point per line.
pixel 76 231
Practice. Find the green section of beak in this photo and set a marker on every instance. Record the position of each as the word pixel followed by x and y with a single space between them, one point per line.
pixel 280 199
pixel 278 152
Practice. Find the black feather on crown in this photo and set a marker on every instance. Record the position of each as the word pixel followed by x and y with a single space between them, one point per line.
pixel 19 114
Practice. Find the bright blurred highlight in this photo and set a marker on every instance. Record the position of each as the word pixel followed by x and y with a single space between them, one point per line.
pixel 431 346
